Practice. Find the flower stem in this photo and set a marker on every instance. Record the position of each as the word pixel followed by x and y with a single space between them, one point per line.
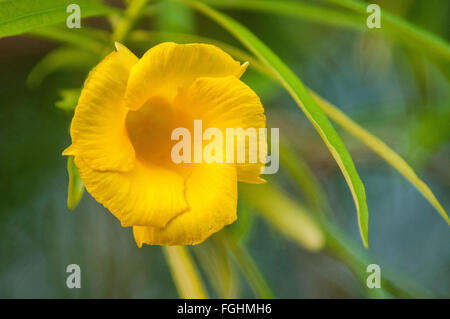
pixel 184 272
pixel 131 15
pixel 249 268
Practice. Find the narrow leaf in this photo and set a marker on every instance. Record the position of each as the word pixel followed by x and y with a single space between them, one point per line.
pixel 85 38
pixel 131 15
pixel 19 16
pixel 382 150
pixel 285 215
pixel 60 59
pixel 393 25
pixel 302 97
pixel 248 268
pixel 213 258
pixel 305 11
pixel 184 273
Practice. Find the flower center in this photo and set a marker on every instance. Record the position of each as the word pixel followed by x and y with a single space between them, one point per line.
pixel 150 129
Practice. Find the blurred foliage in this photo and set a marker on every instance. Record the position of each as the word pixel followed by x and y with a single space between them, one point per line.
pixel 392 81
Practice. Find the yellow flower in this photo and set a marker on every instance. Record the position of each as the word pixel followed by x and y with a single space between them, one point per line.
pixel 121 139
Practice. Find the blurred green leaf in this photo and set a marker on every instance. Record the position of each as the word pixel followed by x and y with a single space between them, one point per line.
pixel 297 9
pixel 76 187
pixel 64 58
pixel 393 25
pixel 273 204
pixel 248 267
pixel 184 272
pixel 304 100
pixel 285 215
pixel 172 17
pixel 304 177
pixel 85 38
pixel 409 33
pixel 431 131
pixel 69 99
pixel 132 13
pixel 392 283
pixel 242 228
pixel 19 16
pixel 213 258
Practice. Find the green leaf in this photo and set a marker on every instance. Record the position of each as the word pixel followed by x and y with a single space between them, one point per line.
pixel 382 150
pixel 85 38
pixel 302 97
pixel 285 215
pixel 61 59
pixel 19 16
pixel 184 272
pixel 76 187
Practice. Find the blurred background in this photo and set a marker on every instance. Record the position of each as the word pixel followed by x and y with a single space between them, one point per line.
pixel 398 94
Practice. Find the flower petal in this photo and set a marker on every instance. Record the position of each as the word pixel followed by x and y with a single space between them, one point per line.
pixel 228 103
pixel 147 195
pixel 211 192
pixel 98 128
pixel 167 67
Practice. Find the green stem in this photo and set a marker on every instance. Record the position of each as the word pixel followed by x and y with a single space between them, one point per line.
pixel 131 15
pixel 249 268
pixel 184 273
